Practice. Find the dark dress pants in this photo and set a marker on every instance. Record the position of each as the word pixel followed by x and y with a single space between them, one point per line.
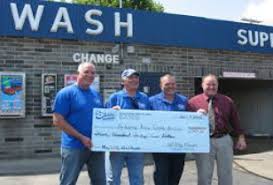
pixel 168 168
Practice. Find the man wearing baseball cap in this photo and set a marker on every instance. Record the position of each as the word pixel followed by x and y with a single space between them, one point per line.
pixel 128 98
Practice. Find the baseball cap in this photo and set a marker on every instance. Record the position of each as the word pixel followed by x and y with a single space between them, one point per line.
pixel 128 72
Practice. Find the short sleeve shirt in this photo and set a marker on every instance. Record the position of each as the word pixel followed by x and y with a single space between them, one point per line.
pixel 76 106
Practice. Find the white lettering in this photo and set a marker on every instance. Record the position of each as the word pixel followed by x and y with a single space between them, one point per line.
pixel 128 25
pixel 263 38
pixel 100 58
pixel 241 35
pixel 271 40
pixel 93 58
pixel 108 59
pixel 97 23
pixel 58 23
pixel 253 41
pixel 115 59
pixel 19 20
pixel 77 57
pixel 84 57
pixel 96 58
pixel 62 20
pixel 254 38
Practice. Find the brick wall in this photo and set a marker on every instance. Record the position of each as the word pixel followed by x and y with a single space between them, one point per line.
pixel 34 135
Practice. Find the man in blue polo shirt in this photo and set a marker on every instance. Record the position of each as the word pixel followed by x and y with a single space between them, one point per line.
pixel 128 98
pixel 73 109
pixel 168 166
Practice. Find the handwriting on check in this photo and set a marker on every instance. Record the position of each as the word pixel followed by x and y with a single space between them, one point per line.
pixel 149 131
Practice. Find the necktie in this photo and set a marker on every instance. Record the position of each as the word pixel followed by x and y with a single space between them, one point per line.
pixel 134 103
pixel 211 115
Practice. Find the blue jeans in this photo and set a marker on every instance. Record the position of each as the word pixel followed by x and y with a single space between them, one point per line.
pixel 73 161
pixel 135 165
pixel 168 168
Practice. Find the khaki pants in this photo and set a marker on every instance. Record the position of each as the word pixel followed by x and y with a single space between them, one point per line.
pixel 221 151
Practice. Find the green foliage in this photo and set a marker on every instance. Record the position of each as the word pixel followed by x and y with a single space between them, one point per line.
pixel 149 5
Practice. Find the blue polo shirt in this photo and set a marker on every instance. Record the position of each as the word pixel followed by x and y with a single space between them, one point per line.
pixel 122 99
pixel 76 106
pixel 159 102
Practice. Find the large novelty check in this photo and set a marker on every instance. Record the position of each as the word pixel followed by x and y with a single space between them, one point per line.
pixel 149 131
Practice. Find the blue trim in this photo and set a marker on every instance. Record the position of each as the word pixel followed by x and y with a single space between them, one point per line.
pixel 148 28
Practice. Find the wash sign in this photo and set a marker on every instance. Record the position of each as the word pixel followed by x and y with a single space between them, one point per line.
pixel 42 19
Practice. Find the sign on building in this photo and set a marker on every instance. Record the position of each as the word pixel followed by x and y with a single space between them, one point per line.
pixel 96 58
pixel 43 19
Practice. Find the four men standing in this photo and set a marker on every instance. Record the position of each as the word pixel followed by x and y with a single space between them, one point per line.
pixel 73 115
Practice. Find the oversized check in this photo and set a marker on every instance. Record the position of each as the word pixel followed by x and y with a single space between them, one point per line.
pixel 149 131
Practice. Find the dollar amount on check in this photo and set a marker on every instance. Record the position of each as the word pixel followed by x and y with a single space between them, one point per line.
pixel 149 131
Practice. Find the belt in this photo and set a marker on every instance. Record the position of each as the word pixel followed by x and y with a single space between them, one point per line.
pixel 218 135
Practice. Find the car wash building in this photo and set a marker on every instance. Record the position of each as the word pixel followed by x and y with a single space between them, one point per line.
pixel 42 43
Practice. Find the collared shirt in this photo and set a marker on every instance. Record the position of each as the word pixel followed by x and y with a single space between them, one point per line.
pixel 76 106
pixel 159 102
pixel 226 115
pixel 122 99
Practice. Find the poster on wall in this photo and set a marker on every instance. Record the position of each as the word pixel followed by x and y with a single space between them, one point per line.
pixel 49 90
pixel 72 78
pixel 12 94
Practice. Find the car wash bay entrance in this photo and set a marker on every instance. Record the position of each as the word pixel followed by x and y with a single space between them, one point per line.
pixel 254 100
pixel 150 83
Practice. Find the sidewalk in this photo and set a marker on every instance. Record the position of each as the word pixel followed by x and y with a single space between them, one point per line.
pixel 29 166
pixel 259 164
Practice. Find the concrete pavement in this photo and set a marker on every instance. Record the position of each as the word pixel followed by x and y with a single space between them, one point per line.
pixel 189 178
pixel 29 166
pixel 260 164
pixel 23 171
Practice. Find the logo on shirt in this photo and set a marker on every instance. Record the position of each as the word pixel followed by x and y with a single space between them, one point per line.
pixel 141 105
pixel 181 107
pixel 97 101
